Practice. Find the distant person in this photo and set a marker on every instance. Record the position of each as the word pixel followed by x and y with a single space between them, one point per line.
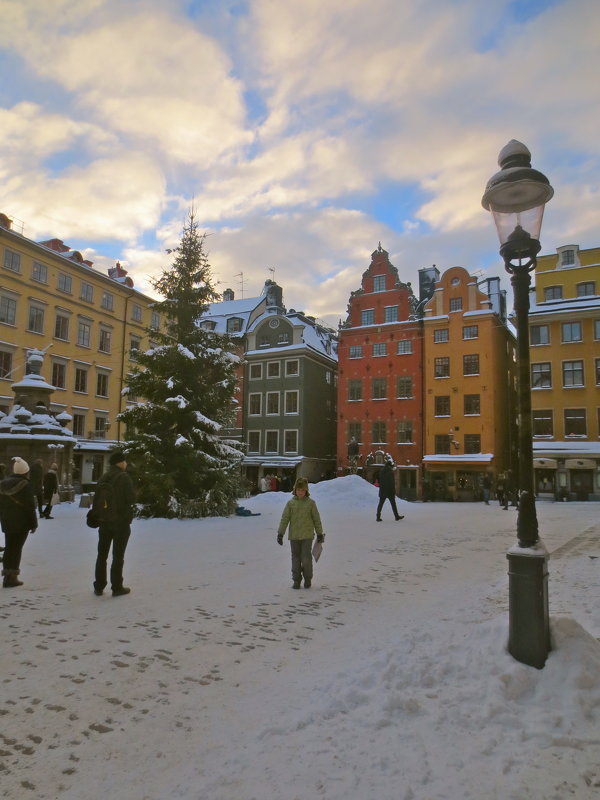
pixel 487 485
pixel 18 519
pixel 116 487
pixel 36 479
pixel 302 516
pixel 50 489
pixel 387 491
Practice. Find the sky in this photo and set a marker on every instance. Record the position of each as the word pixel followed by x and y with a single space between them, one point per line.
pixel 301 133
pixel 389 678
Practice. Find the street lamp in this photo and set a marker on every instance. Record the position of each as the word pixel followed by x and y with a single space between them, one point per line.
pixel 516 196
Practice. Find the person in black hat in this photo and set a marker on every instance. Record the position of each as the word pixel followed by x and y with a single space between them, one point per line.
pixel 114 501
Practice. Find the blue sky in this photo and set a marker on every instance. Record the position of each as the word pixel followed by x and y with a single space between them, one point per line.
pixel 304 132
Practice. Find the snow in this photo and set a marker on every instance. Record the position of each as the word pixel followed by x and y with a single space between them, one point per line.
pixel 388 679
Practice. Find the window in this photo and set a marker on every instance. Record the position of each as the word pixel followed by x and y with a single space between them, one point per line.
pixel 59 375
pixel 272 402
pixel 356 351
pixel 379 433
pixel 442 444
pixel 79 424
pixel 355 431
pixel 442 367
pixel 404 431
pixel 539 334
pixel 107 301
pixel 254 441
pixel 155 320
pixel 208 325
pixel 290 442
pixel 390 314
pixel 273 369
pixel 542 422
pixel 84 332
pixel 586 289
pixel 8 310
pixel 572 373
pixel 255 404
pixel 380 349
pixel 379 389
pixel 456 304
pixel 541 375
pixel 379 283
pixel 136 312
pixel 292 368
pixel 355 390
pixel 571 332
pixel 105 340
pixel 65 282
pixel 404 347
pixel 39 272
pixel 597 329
pixel 404 387
pixel 291 403
pixel 367 317
pixel 472 443
pixel 441 335
pixel 471 364
pixel 442 405
pixel 553 293
pixel 102 384
pixel 575 422
pixel 598 372
pixel 234 325
pixel 12 260
pixel 134 346
pixel 472 405
pixel 87 291
pixel 100 428
pixel 470 332
pixel 567 257
pixel 36 319
pixel 61 327
pixel 80 379
pixel 271 441
pixel 283 338
pixel 5 364
pixel 255 372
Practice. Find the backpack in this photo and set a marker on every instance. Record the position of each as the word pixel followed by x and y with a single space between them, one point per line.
pixel 102 505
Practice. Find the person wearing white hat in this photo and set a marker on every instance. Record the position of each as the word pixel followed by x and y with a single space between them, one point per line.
pixel 18 519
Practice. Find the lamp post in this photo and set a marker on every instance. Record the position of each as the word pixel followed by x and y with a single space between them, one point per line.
pixel 516 196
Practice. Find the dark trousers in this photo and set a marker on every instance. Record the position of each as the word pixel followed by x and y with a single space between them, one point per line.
pixel 302 563
pixel 14 548
pixel 117 535
pixel 382 499
pixel 39 499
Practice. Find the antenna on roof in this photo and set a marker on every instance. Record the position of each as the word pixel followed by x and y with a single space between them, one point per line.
pixel 272 271
pixel 240 275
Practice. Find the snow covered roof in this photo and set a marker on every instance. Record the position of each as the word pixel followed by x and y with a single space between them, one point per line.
pixel 587 303
pixel 561 448
pixel 220 313
pixel 474 458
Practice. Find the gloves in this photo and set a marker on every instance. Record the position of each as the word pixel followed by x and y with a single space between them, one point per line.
pixel 280 538
pixel 320 538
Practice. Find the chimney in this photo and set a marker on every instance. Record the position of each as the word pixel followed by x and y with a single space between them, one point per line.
pixel 228 295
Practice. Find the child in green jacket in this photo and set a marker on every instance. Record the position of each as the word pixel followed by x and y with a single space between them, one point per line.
pixel 302 516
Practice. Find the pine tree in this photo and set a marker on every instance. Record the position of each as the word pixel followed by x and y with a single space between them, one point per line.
pixel 187 381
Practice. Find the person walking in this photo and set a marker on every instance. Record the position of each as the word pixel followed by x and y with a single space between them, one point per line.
pixel 36 479
pixel 50 489
pixel 18 519
pixel 116 487
pixel 387 491
pixel 302 516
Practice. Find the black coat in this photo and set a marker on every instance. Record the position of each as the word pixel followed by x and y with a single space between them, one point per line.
pixel 50 485
pixel 36 476
pixel 122 507
pixel 17 505
pixel 387 485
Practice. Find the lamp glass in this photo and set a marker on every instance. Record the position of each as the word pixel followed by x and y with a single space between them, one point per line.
pixel 506 222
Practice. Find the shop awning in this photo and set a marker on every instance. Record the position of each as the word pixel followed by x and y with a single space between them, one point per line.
pixel 580 463
pixel 545 463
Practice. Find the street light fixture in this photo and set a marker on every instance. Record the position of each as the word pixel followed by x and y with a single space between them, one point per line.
pixel 516 196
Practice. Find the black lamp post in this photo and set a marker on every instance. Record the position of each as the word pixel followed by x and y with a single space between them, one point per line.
pixel 516 196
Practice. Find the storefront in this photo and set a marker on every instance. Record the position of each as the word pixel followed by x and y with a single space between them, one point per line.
pixel 456 478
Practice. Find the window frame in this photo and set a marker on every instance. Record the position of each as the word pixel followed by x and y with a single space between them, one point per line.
pixel 355 351
pixel 471 362
pixel 545 375
pixel 287 432
pixel 288 394
pixel 379 349
pixel 269 401
pixel 403 381
pixel 355 387
pixel 441 335
pixel 538 334
pixel 467 328
pixel 35 318
pixel 86 292
pixel 582 415
pixel 10 309
pixel 574 372
pixel 257 366
pixel 84 333
pixel 441 367
pixel 570 326
pixel 252 402
pixel 379 387
pixel 39 272
pixel 367 317
pixel 441 405
pixel 80 379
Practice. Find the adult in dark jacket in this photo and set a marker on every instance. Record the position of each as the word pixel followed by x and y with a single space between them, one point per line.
pixel 18 518
pixel 36 479
pixel 387 491
pixel 116 529
pixel 50 489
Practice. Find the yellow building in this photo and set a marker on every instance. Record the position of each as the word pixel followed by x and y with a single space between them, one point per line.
pixel 469 377
pixel 564 327
pixel 88 324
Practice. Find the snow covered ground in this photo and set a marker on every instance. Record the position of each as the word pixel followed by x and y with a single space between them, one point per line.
pixel 388 679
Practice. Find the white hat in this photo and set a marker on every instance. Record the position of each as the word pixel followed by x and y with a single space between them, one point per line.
pixel 20 467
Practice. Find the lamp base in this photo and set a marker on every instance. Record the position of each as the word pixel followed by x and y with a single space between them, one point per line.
pixel 529 619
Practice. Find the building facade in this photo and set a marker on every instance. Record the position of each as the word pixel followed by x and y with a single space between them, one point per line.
pixel 564 330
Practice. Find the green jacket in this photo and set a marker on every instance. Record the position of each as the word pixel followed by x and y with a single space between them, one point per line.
pixel 302 515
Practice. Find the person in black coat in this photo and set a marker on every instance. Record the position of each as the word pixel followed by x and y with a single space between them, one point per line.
pixel 18 519
pixel 36 479
pixel 50 489
pixel 387 490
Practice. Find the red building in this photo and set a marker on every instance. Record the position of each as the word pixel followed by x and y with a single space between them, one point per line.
pixel 380 378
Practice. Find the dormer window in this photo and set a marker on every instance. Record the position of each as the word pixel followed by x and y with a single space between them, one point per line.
pixel 234 325
pixel 208 325
pixel 568 256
